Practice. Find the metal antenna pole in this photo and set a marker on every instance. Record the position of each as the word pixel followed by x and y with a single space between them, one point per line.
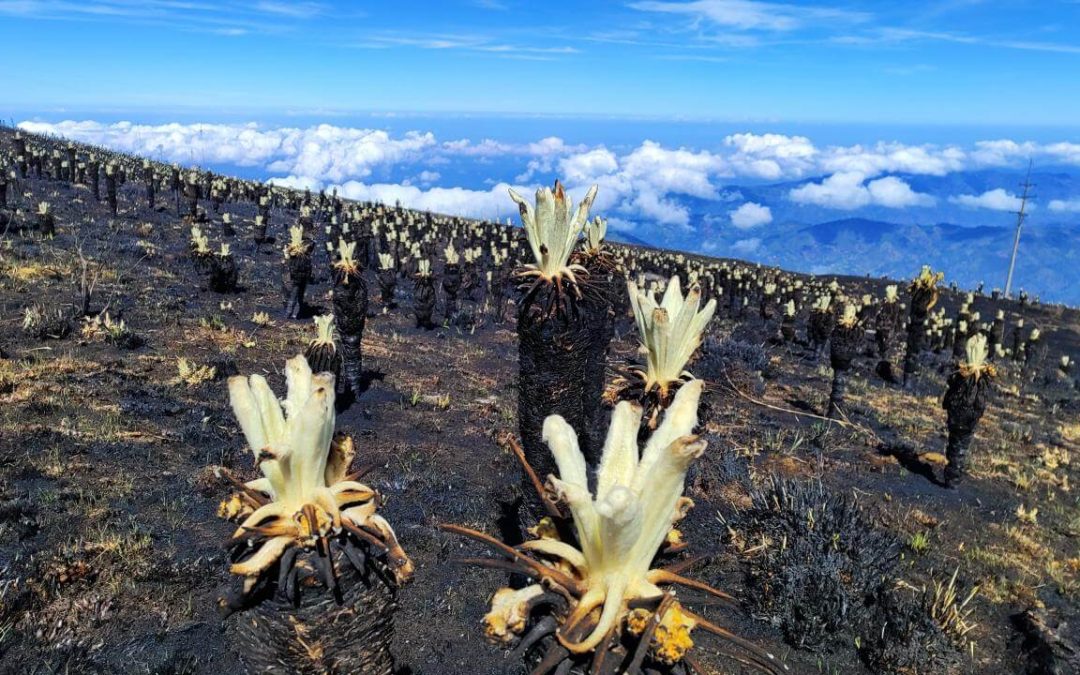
pixel 1020 216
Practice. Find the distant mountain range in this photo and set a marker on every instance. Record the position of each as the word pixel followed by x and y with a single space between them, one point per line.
pixel 1048 263
pixel 970 245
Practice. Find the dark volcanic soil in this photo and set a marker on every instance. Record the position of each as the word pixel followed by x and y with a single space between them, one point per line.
pixel 112 557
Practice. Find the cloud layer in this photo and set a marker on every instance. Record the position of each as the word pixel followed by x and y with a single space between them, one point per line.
pixel 649 183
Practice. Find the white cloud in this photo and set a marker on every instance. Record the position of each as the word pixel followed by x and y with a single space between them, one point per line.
pixel 751 215
pixel 325 151
pixel 335 153
pixel 746 246
pixel 995 200
pixel 771 156
pixel 586 166
pixel 1066 153
pixel 492 204
pixel 894 157
pixel 846 191
pixel 663 211
pixel 1002 152
pixel 298 183
pixel 641 183
pixel 1065 205
pixel 843 190
pixel 893 193
pixel 679 171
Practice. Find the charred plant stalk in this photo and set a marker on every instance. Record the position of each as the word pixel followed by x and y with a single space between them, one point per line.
pixel 110 188
pixel 554 334
pixel 46 220
pixel 553 355
pixel 192 194
pixel 886 322
pixel 924 295
pixel 820 325
pixel 387 278
pixel 258 230
pixel 320 567
pixel 499 284
pixel 150 179
pixel 1034 355
pixel 843 347
pixel 451 285
pixel 93 174
pixel 350 313
pixel 600 307
pixel 322 352
pixel 965 402
pixel 174 186
pixel 318 633
pixel 424 296
pixel 223 271
pixel 767 305
pixel 1018 340
pixel 297 272
pixel 959 337
pixel 787 323
pixel 997 333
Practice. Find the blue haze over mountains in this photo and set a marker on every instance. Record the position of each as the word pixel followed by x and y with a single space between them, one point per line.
pixel 971 245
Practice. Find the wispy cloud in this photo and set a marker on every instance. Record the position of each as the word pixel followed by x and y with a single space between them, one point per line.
pixel 295 10
pixel 750 15
pixel 226 18
pixel 229 32
pixel 892 35
pixel 705 58
pixel 750 23
pixel 465 42
pixel 914 69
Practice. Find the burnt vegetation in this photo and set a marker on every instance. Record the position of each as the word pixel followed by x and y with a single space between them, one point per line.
pixel 695 465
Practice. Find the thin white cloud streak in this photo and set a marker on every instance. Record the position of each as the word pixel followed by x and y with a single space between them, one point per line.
pixel 483 44
pixel 294 10
pixel 749 15
pixel 227 19
pixel 892 35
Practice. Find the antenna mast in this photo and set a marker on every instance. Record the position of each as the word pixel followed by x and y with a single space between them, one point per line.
pixel 1020 216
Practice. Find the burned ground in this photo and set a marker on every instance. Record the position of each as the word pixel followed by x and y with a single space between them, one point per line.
pixel 112 557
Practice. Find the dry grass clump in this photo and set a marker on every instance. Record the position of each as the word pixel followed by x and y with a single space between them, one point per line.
pixel 193 374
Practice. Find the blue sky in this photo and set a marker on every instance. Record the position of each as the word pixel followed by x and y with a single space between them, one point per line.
pixel 963 62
